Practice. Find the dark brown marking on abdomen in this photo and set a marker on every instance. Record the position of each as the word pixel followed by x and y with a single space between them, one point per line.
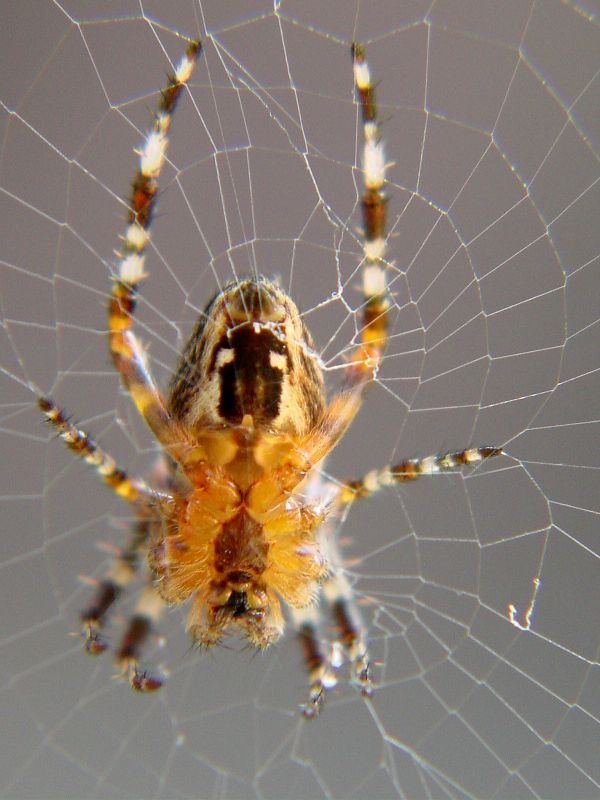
pixel 249 383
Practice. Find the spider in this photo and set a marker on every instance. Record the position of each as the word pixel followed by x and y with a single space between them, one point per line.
pixel 236 521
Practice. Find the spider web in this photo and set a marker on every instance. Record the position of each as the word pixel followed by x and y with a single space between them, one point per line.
pixel 490 116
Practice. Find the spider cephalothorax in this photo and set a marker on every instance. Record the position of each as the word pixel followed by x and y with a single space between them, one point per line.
pixel 233 520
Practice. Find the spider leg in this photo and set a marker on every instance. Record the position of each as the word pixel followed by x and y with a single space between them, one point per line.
pixel 373 202
pixel 366 358
pixel 410 470
pixel 322 666
pixel 128 355
pixel 318 664
pixel 120 572
pixel 322 662
pixel 350 629
pixel 148 612
pixel 134 490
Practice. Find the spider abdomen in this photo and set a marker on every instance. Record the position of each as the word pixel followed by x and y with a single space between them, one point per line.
pixel 249 356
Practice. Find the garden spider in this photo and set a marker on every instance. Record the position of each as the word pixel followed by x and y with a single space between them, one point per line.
pixel 236 522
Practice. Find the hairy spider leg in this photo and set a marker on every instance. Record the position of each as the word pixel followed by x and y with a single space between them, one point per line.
pixel 350 630
pixel 410 470
pixel 321 673
pixel 127 353
pixel 365 360
pixel 133 490
pixel 373 334
pixel 350 638
pixel 148 611
pixel 120 572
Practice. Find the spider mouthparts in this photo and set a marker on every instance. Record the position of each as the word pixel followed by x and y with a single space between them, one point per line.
pixel 238 603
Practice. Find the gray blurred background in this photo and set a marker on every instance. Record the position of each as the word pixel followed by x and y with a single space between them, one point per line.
pixel 490 117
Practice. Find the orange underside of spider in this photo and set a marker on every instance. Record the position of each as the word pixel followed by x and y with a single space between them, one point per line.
pixel 237 548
